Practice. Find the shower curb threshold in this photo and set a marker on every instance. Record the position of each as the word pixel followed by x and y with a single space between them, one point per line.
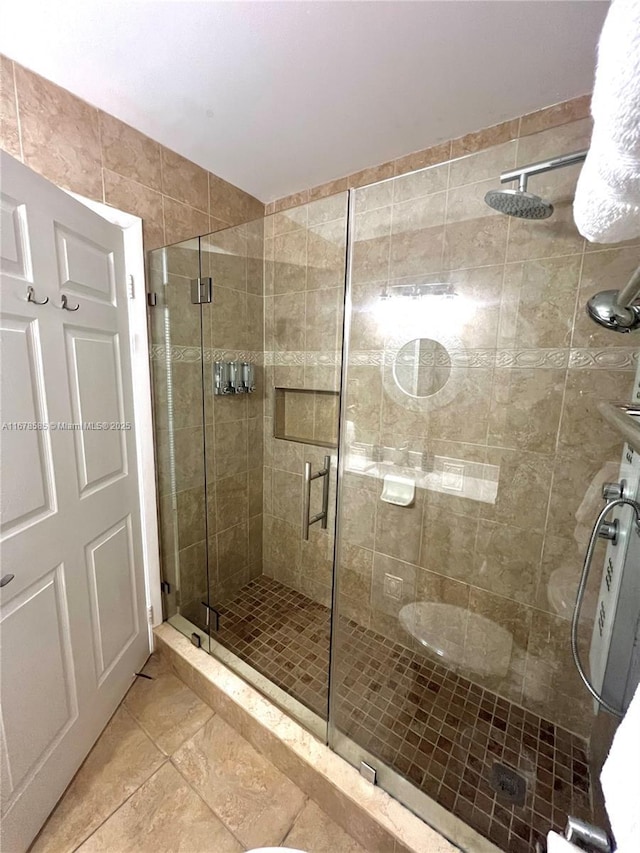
pixel 377 821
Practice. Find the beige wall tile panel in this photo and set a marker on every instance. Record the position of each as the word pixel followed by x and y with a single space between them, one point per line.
pixel 130 153
pixel 9 131
pixel 60 134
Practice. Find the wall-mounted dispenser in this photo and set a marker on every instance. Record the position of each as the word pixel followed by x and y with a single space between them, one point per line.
pixel 233 377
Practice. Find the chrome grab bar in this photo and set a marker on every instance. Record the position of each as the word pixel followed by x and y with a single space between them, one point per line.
pixel 308 479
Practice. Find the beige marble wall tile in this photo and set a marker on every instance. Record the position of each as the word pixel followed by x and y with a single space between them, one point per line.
pixel 287 496
pixel 582 426
pixel 123 758
pixel 448 543
pixel 474 242
pixel 397 531
pixel 524 485
pixel 421 159
pixel 289 322
pixel 558 114
pixel 316 565
pixel 551 677
pixel 232 499
pixel 130 153
pixel 483 165
pixel 191 513
pixel 290 259
pixel 230 449
pixel 9 130
pixel 224 257
pixel 507 560
pixel 231 204
pixel 466 418
pixel 282 551
pixel 337 186
pixel 185 181
pixel 126 194
pixel 256 531
pixel 60 134
pixel 562 560
pixel 323 320
pixel 543 292
pixel 487 138
pixel 165 814
pixel 418 184
pixel 576 495
pixel 249 795
pixel 555 236
pixel 526 408
pixel 196 568
pixel 182 221
pixel 189 462
pixel 233 550
pixel 293 200
pixel 332 208
pixel 371 175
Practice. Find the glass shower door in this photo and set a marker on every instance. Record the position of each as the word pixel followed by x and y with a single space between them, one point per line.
pixel 176 333
pixel 278 290
pixel 472 459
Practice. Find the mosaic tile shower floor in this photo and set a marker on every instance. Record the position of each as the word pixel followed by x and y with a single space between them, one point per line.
pixel 431 725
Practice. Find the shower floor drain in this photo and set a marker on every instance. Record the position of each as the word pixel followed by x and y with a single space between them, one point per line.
pixel 508 784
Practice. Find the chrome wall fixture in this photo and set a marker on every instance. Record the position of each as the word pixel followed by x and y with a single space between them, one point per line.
pixel 616 309
pixel 323 515
pixel 233 377
pixel 523 204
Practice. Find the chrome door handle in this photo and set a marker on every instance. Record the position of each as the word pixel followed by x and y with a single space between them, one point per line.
pixel 5 579
pixel 308 479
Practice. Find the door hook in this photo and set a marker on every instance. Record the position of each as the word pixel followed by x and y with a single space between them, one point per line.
pixel 31 297
pixel 65 305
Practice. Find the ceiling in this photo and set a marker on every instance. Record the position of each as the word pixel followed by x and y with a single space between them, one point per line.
pixel 279 96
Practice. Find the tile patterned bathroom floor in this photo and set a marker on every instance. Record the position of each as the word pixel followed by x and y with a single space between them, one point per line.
pixel 433 726
pixel 168 775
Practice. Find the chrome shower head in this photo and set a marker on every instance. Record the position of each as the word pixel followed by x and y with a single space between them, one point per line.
pixel 519 203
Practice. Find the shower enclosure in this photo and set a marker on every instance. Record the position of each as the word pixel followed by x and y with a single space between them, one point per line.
pixel 425 387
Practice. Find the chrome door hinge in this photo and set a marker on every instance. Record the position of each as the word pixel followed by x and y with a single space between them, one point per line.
pixel 368 772
pixel 165 586
pixel 201 290
pixel 150 614
pixel 131 288
pixel 152 299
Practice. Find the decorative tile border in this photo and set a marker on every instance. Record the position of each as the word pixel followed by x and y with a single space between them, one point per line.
pixel 611 358
pixel 159 352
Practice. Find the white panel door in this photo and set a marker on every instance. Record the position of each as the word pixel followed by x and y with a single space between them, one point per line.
pixel 73 617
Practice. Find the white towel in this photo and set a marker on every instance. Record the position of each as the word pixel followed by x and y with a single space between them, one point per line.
pixel 620 780
pixel 607 203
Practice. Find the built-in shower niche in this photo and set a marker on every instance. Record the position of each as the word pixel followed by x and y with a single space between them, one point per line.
pixel 307 416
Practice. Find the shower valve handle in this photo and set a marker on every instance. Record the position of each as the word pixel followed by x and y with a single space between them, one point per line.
pixel 613 491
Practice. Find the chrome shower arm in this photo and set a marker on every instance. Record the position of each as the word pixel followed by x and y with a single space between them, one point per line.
pixel 630 292
pixel 523 172
pixel 617 310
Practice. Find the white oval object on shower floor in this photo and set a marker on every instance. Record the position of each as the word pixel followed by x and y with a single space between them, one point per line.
pixel 458 637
